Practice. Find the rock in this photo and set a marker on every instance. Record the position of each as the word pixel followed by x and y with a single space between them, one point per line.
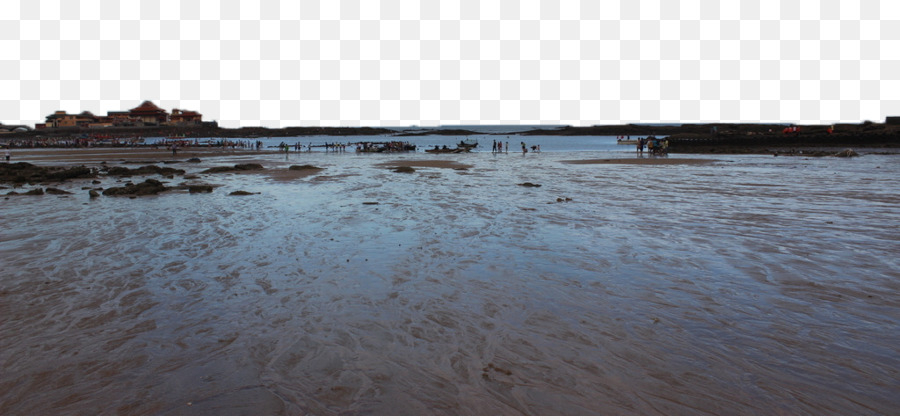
pixel 194 160
pixel 248 167
pixel 144 170
pixel 57 191
pixel 243 193
pixel 404 169
pixel 93 193
pixel 239 167
pixel 191 177
pixel 370 203
pixel 36 191
pixel 22 172
pixel 528 184
pixel 847 153
pixel 218 169
pixel 194 189
pixel 148 187
pixel 304 168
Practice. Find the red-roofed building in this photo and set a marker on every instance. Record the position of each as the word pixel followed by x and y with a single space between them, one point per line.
pixel 150 114
pixel 185 117
pixel 61 119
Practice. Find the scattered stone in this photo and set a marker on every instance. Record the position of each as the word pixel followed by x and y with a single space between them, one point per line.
pixel 22 172
pixel 370 203
pixel 847 153
pixel 144 170
pixel 36 191
pixel 93 193
pixel 243 193
pixel 248 166
pixel 57 191
pixel 95 181
pixel 239 167
pixel 528 184
pixel 404 169
pixel 194 160
pixel 194 189
pixel 218 169
pixel 148 187
pixel 191 177
pixel 304 168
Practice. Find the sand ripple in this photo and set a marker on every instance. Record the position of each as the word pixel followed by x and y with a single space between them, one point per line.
pixel 745 285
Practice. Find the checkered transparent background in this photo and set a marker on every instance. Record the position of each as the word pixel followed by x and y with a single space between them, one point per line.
pixel 357 62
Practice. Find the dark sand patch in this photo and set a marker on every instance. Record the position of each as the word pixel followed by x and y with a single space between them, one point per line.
pixel 444 164
pixel 639 161
pixel 293 173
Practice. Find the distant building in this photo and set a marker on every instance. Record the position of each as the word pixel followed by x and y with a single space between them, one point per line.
pixel 150 114
pixel 61 119
pixel 85 119
pixel 146 114
pixel 185 117
pixel 13 128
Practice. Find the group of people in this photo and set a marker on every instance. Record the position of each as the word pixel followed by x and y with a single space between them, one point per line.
pixel 500 147
pixel 497 147
pixel 74 142
pixel 654 145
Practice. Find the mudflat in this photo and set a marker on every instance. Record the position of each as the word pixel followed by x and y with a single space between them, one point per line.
pixel 523 285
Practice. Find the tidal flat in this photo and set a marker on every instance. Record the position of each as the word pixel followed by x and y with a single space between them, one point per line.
pixel 733 284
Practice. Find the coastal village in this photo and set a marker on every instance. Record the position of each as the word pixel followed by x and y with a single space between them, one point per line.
pixel 147 120
pixel 147 114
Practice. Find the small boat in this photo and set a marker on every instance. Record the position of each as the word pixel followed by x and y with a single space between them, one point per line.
pixel 466 144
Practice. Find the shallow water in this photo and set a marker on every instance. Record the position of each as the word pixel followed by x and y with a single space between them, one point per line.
pixel 751 285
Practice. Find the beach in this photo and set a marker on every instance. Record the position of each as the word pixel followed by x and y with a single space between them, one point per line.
pixel 554 283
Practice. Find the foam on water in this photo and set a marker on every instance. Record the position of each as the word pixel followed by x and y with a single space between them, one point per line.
pixel 753 284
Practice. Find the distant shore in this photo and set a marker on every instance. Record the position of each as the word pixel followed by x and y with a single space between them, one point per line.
pixel 683 138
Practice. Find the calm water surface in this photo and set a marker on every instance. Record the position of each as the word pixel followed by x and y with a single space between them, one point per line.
pixel 750 285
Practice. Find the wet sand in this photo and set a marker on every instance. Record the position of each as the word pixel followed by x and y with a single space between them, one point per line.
pixel 749 285
pixel 447 164
pixel 642 161
pixel 142 154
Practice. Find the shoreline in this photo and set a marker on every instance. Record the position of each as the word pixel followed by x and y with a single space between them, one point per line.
pixel 850 134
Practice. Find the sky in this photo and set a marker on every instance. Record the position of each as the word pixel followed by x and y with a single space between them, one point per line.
pixel 280 63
